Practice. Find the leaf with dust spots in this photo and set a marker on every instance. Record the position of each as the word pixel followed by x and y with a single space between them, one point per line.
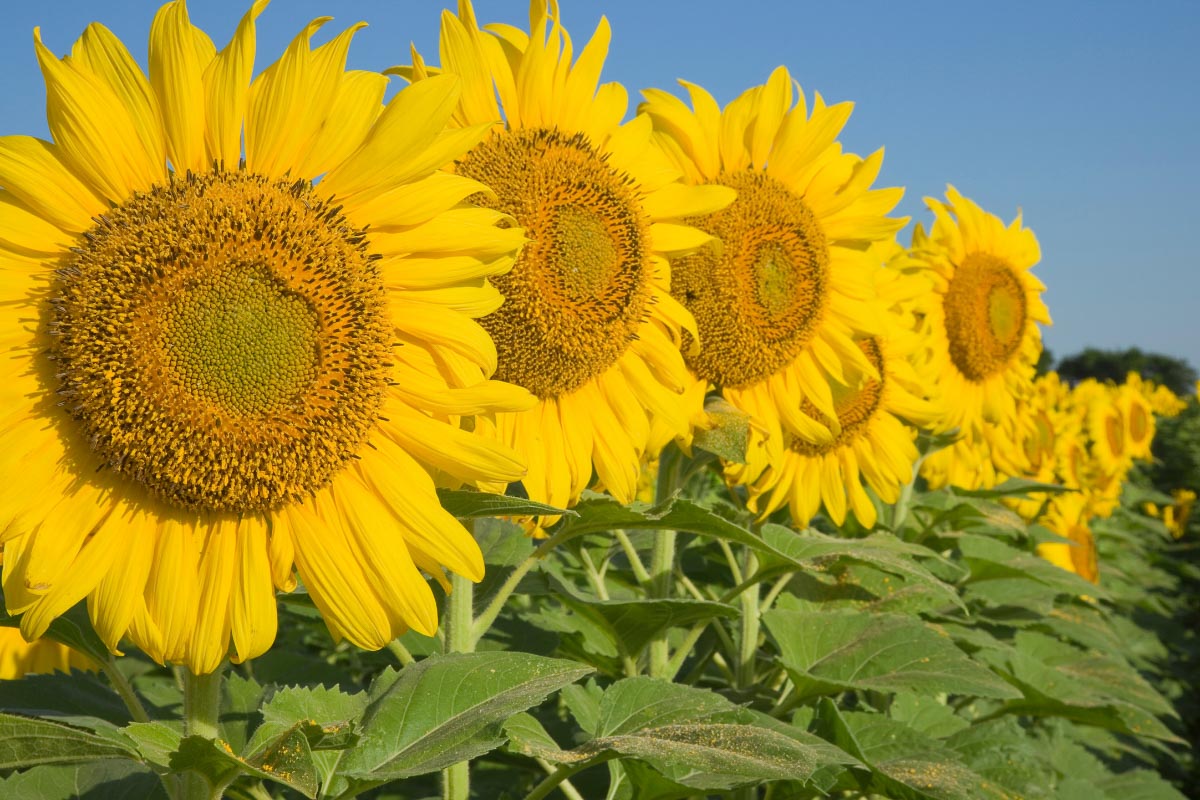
pixel 903 764
pixel 287 760
pixel 713 756
pixel 697 738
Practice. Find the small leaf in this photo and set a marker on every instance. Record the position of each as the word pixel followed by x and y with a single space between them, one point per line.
pixel 155 741
pixel 447 709
pixel 832 651
pixel 286 760
pixel 528 737
pixel 729 434
pixel 26 741
pixel 463 504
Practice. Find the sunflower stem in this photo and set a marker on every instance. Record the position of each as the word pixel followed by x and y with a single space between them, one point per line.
pixel 456 779
pixel 662 556
pixel 748 639
pixel 201 717
pixel 488 616
pixel 125 689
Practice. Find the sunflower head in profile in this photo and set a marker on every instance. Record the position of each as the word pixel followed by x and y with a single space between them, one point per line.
pixel 220 372
pixel 982 330
pixel 783 296
pixel 1138 416
pixel 1068 516
pixel 873 447
pixel 588 325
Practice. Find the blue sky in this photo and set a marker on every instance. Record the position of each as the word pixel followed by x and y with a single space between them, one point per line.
pixel 1084 114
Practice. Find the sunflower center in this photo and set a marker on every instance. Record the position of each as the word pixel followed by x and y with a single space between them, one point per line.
pixel 578 291
pixel 1115 434
pixel 1139 423
pixel 223 340
pixel 986 311
pixel 243 342
pixel 759 296
pixel 1039 447
pixel 855 406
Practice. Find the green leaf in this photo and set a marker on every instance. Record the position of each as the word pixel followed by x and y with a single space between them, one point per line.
pixel 1060 680
pixel 635 704
pixel 329 709
pixel 926 715
pixel 1138 784
pixel 528 737
pixel 633 624
pixel 904 764
pixel 832 651
pixel 79 699
pixel 155 741
pixel 94 780
pixel 447 709
pixel 26 741
pixel 240 709
pixel 1012 486
pixel 884 551
pixel 729 435
pixel 697 738
pixel 464 504
pixel 990 559
pixel 286 760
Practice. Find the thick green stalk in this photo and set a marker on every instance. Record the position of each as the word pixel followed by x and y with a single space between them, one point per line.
pixel 662 557
pixel 748 638
pixel 201 717
pixel 456 779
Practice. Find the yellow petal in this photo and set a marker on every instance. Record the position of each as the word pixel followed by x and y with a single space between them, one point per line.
pixel 226 83
pixel 106 57
pixel 179 54
pixel 93 131
pixel 218 573
pixel 33 171
pixel 253 618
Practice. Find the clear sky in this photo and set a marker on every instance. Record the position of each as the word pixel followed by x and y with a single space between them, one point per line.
pixel 1085 114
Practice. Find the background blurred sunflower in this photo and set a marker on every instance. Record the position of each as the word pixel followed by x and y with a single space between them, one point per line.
pixel 982 339
pixel 207 384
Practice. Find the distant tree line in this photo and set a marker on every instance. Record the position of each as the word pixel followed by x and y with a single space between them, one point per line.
pixel 1112 365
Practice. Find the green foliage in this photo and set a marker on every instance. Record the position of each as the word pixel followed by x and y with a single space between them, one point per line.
pixel 683 649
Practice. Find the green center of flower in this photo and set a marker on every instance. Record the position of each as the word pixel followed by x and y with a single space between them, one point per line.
pixel 243 342
pixel 223 340
pixel 985 309
pixel 760 294
pixel 577 294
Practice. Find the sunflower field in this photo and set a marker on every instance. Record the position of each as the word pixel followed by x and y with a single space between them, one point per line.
pixel 519 438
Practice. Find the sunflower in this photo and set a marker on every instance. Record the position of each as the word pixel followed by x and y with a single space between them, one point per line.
pixel 873 445
pixel 221 371
pixel 982 334
pixel 1067 516
pixel 1138 416
pixel 588 324
pixel 1162 400
pixel 783 297
pixel 1043 422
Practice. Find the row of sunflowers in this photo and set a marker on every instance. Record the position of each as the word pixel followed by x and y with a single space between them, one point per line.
pixel 271 336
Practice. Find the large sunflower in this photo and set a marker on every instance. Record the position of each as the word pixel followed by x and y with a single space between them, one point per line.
pixel 983 339
pixel 588 324
pixel 873 445
pixel 782 298
pixel 221 371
